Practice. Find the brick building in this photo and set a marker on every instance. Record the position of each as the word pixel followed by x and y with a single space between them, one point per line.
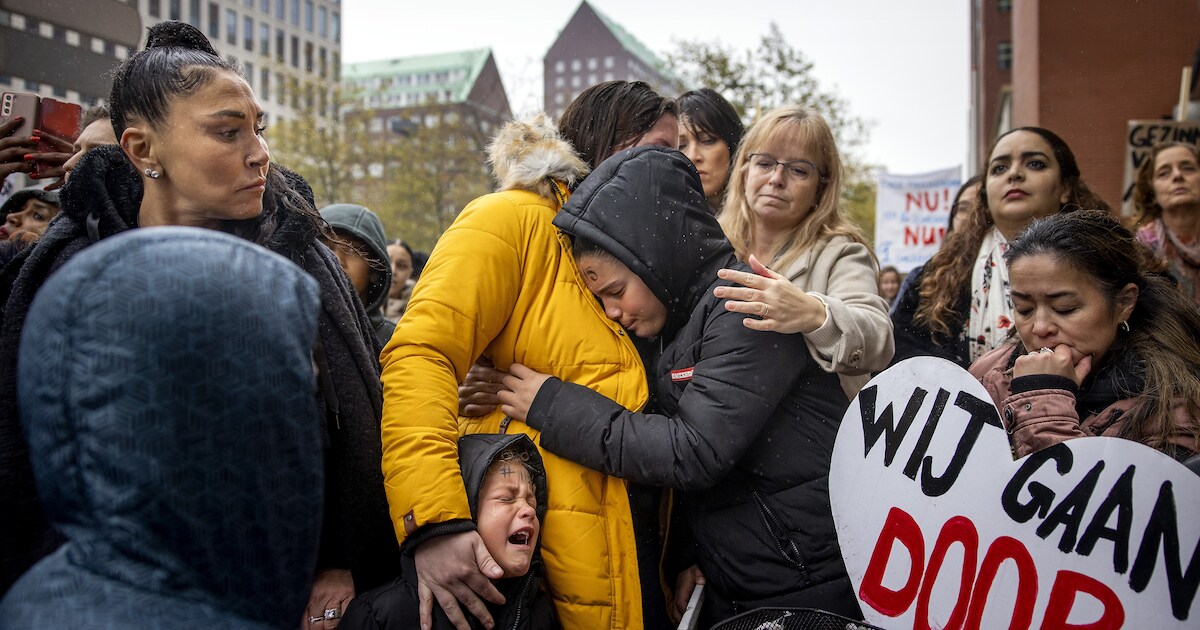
pixel 593 48
pixel 1082 70
pixel 410 91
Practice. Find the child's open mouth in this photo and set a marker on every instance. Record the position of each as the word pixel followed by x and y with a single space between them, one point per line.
pixel 521 537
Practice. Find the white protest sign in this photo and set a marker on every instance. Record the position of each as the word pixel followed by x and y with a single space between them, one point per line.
pixel 1142 136
pixel 911 214
pixel 940 528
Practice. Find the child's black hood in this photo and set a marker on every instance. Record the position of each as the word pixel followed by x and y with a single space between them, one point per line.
pixel 477 451
pixel 646 207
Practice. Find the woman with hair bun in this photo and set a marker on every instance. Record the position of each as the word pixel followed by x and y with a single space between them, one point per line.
pixel 1104 347
pixel 710 131
pixel 191 153
pixel 1167 198
pixel 956 306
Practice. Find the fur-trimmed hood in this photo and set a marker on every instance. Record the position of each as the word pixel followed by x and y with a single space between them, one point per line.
pixel 525 153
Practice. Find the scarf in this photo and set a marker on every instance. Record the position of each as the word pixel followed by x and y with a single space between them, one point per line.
pixel 1183 261
pixel 990 321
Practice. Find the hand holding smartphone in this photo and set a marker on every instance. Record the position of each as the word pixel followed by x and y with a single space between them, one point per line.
pixel 42 135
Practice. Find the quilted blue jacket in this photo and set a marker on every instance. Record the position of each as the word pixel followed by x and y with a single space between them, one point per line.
pixel 166 389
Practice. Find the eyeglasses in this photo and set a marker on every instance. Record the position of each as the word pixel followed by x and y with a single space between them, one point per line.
pixel 799 170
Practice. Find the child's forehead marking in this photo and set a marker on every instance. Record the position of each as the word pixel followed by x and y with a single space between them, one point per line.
pixel 505 470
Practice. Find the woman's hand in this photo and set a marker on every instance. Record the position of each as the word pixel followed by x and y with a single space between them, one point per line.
pixel 50 163
pixel 477 394
pixel 779 304
pixel 1059 361
pixel 14 149
pixel 521 387
pixel 332 591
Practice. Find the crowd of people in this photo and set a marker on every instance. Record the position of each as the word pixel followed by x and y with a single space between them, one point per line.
pixel 617 377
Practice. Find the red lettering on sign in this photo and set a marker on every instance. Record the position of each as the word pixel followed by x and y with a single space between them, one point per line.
pixel 956 530
pixel 902 528
pixel 1067 584
pixel 1006 548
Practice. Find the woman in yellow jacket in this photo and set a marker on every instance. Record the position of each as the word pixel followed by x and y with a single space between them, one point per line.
pixel 501 283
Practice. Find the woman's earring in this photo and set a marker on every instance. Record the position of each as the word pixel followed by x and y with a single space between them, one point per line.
pixel 1125 325
pixel 152 174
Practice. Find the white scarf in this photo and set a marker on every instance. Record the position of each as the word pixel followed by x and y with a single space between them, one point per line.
pixel 990 320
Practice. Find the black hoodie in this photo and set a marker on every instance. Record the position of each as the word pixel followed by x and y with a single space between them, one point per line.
pixel 526 607
pixel 745 420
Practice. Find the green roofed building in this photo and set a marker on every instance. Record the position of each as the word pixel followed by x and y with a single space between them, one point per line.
pixel 592 48
pixel 403 93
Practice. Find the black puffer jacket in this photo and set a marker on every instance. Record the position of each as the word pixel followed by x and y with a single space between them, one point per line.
pixel 102 199
pixel 395 606
pixel 745 420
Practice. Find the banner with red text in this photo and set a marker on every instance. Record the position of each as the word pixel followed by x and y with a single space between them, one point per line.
pixel 911 213
pixel 940 528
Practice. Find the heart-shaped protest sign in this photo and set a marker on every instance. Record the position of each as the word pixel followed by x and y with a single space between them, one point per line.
pixel 940 528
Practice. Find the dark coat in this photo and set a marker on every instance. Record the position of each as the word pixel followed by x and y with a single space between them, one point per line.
pixel 395 606
pixel 103 198
pixel 745 421
pixel 167 387
pixel 916 340
pixel 348 219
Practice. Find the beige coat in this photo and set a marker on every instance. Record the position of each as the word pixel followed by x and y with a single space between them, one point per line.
pixel 856 338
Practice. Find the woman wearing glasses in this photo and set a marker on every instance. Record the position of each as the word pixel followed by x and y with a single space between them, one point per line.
pixel 813 272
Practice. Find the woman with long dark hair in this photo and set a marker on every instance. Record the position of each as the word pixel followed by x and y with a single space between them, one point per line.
pixel 956 306
pixel 192 153
pixel 1104 347
pixel 710 131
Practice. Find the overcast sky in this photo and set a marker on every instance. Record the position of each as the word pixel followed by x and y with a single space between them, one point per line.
pixel 901 66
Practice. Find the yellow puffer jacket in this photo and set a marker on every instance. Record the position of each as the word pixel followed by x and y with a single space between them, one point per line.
pixel 501 282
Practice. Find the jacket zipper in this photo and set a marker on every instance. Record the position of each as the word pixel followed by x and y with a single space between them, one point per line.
pixel 773 525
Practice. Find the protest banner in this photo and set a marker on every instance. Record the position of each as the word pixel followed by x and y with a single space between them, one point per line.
pixel 911 213
pixel 1142 136
pixel 940 528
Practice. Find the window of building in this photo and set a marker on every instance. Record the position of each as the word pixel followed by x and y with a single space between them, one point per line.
pixel 72 38
pixel 576 81
pixel 264 39
pixel 249 3
pixel 337 66
pixel 558 98
pixel 322 21
pixel 560 66
pixel 295 12
pixel 323 62
pixel 175 9
pixel 280 88
pixel 608 62
pixel 308 15
pixel 1004 6
pixel 1004 55
pixel 265 6
pixel 308 57
pixel 560 82
pixel 154 8
pixel 58 92
pixel 214 21
pixel 194 13
pixel 231 26
pixel 592 80
pixel 576 65
pixel 279 47
pixel 335 21
pixel 248 33
pixel 295 51
pixel 593 63
pixel 264 85
pixel 608 76
pixel 250 74
pixel 279 12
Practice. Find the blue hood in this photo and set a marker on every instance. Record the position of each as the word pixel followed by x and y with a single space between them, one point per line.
pixel 167 393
